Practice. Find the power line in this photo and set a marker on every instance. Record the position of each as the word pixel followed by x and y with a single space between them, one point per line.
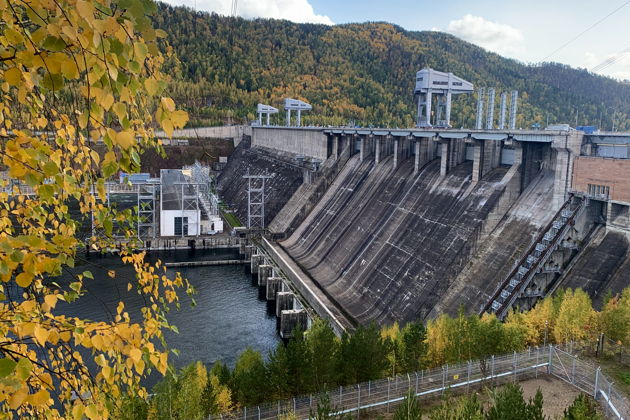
pixel 611 60
pixel 586 30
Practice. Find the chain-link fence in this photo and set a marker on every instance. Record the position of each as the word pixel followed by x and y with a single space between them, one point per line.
pixel 385 394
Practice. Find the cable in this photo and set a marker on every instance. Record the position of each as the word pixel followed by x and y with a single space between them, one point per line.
pixel 587 29
pixel 610 60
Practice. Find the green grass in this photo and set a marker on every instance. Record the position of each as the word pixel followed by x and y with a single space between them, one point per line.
pixel 231 219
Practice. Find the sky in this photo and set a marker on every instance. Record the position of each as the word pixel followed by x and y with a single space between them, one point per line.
pixel 530 31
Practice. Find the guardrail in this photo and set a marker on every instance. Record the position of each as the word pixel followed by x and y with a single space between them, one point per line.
pixel 385 394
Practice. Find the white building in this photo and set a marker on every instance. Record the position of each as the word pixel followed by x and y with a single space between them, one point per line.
pixel 187 207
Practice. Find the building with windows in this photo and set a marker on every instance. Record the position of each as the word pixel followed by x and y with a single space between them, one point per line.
pixel 187 207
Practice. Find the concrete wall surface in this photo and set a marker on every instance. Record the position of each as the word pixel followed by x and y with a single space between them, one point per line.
pixel 612 173
pixel 387 244
pixel 285 179
pixel 225 131
pixel 307 142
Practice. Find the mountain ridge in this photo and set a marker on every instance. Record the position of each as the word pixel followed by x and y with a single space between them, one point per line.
pixel 362 73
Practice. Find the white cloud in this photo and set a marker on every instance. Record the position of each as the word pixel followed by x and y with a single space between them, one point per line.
pixel 497 37
pixel 300 11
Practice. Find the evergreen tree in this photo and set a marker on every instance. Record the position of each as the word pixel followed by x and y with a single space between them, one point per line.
pixel 409 408
pixel 363 355
pixel 250 378
pixel 414 347
pixel 278 373
pixel 464 408
pixel 508 404
pixel 324 353
pixel 582 408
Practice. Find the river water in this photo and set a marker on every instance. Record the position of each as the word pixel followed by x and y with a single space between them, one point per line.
pixel 229 315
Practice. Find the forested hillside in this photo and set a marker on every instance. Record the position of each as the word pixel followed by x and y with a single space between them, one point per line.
pixel 361 73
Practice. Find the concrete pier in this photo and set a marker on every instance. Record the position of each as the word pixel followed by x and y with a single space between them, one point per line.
pixel 274 285
pixel 256 261
pixel 264 272
pixel 284 301
pixel 292 319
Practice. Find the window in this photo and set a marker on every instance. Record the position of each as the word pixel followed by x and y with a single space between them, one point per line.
pixel 599 191
pixel 181 226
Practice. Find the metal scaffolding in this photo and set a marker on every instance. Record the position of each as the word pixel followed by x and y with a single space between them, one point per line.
pixel 256 200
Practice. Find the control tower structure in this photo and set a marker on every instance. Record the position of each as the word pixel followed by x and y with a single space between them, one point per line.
pixel 267 110
pixel 431 82
pixel 295 105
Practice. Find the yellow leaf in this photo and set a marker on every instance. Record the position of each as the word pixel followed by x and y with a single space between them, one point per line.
pixel 77 411
pixel 111 273
pixel 167 126
pixel 179 118
pixel 151 86
pixel 41 334
pixel 13 76
pixel 69 69
pixel 125 139
pixel 135 354
pixel 24 279
pixel 40 398
pixel 108 101
pixel 168 104
pixel 17 398
pixel 85 9
pixel 120 110
pixel 51 300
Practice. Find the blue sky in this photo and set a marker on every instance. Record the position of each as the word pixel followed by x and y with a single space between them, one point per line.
pixel 528 30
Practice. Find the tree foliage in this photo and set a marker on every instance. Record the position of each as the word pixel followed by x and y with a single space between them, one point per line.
pixel 363 73
pixel 73 72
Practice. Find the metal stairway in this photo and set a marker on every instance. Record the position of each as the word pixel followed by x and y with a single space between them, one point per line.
pixel 535 257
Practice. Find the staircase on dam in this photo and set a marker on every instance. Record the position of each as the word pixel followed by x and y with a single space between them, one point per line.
pixel 535 259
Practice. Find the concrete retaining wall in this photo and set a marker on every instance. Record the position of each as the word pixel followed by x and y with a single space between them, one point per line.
pixel 312 143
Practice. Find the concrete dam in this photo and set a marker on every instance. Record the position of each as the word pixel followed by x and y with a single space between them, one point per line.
pixel 398 225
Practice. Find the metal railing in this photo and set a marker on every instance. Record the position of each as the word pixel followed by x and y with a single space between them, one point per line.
pixel 385 394
pixel 534 258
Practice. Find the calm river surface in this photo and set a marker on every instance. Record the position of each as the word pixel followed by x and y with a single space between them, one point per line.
pixel 228 318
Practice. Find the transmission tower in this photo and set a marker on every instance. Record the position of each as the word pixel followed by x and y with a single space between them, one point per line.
pixel 256 200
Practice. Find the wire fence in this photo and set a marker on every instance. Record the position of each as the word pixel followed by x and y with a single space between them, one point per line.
pixel 385 394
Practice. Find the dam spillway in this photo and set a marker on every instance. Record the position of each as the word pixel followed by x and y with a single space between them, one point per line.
pixel 387 246
pixel 397 225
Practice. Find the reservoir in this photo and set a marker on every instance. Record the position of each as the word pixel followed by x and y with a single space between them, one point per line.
pixel 228 317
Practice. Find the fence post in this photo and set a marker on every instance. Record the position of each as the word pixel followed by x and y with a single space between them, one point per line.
pixel 596 383
pixel 468 378
pixel 358 400
pixel 310 401
pixel 537 361
pixel 609 399
pixel 443 379
pixel 550 363
pixel 514 364
pixel 408 381
pixel 278 408
pixel 416 382
pixel 369 388
pixel 294 407
pixel 573 369
pixel 258 411
pixel 245 413
pixel 492 369
pixel 340 396
pixel 388 395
